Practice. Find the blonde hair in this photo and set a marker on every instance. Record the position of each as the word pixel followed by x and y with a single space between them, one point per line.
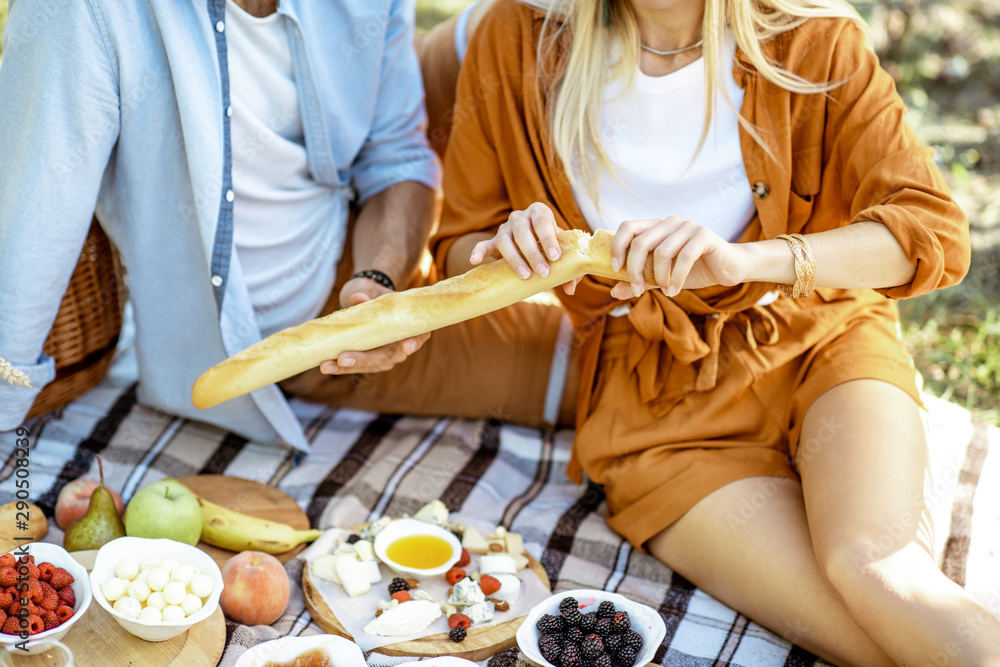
pixel 575 116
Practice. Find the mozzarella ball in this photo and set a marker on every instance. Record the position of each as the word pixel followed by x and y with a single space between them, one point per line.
pixel 156 600
pixel 183 573
pixel 172 612
pixel 191 604
pixel 113 588
pixel 157 578
pixel 149 563
pixel 138 590
pixel 142 574
pixel 150 615
pixel 126 569
pixel 168 564
pixel 128 607
pixel 174 593
pixel 202 585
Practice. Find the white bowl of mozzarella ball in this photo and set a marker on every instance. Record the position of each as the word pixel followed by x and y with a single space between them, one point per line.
pixel 155 589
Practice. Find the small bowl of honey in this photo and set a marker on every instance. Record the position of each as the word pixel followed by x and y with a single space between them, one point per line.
pixel 417 549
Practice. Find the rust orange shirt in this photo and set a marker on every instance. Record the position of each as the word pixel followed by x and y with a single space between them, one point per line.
pixel 838 158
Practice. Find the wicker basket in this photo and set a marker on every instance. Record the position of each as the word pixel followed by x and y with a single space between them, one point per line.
pixel 86 329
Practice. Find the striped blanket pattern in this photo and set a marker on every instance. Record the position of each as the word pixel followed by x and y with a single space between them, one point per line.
pixel 363 465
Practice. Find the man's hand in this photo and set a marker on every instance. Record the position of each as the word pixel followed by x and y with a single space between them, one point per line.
pixel 359 290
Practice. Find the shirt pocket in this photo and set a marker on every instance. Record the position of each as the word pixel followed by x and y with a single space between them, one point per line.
pixel 807 170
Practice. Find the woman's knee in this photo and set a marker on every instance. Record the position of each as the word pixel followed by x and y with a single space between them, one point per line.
pixel 861 566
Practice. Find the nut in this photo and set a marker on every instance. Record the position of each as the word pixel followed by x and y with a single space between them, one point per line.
pixel 496 547
pixel 412 583
pixel 500 605
pixel 378 612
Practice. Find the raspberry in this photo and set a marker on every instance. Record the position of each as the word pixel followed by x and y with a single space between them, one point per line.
pixel 64 613
pixel 7 560
pixel 568 603
pixel 30 564
pixel 574 636
pixel 606 609
pixel 626 656
pixel 398 584
pixel 550 625
pixel 457 634
pixel 3 617
pixel 572 616
pixel 8 577
pixel 604 628
pixel 35 624
pixel 621 622
pixel 35 591
pixel 632 639
pixel 570 656
pixel 67 596
pixel 45 571
pixel 5 600
pixel 459 619
pixel 454 575
pixel 465 559
pixel 591 646
pixel 51 620
pixel 50 601
pixel 402 596
pixel 489 584
pixel 353 537
pixel 588 622
pixel 11 626
pixel 60 578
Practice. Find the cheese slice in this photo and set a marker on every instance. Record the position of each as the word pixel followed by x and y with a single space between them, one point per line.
pixel 514 543
pixel 352 576
pixel 324 566
pixel 474 542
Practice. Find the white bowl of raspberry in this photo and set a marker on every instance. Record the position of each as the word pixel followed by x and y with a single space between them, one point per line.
pixel 605 628
pixel 71 578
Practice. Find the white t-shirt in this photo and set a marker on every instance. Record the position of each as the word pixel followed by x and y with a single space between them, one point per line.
pixel 651 131
pixel 287 229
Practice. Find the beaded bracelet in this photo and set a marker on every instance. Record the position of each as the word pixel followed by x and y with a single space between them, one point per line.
pixel 377 276
pixel 805 267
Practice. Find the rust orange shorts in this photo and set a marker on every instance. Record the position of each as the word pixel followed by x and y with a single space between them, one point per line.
pixel 655 470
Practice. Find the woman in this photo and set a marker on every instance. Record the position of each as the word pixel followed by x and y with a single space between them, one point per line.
pixel 767 448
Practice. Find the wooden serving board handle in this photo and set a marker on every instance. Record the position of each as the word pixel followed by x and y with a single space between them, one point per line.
pixel 399 315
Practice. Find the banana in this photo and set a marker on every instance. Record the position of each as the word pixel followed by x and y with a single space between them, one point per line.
pixel 229 529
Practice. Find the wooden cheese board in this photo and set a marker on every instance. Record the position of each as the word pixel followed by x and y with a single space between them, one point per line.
pixel 480 643
pixel 249 497
pixel 97 639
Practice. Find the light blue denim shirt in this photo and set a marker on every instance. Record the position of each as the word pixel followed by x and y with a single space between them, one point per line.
pixel 123 108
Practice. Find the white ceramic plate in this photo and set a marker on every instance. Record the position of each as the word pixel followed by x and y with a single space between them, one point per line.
pixel 645 620
pixel 342 652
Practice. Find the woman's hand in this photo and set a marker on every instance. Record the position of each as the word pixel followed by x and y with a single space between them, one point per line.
pixel 685 256
pixel 520 241
pixel 359 290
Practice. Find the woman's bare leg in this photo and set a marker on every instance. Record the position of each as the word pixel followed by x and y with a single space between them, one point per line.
pixel 863 461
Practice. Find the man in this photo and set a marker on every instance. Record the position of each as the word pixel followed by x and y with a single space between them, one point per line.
pixel 221 145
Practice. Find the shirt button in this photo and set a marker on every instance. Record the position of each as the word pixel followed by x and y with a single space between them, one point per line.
pixel 217 281
pixel 230 196
pixel 760 190
pixel 220 26
pixel 229 111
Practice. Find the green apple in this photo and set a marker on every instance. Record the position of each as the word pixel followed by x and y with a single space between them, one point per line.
pixel 164 509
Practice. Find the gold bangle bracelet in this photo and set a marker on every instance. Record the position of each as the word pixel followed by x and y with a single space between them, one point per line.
pixel 805 267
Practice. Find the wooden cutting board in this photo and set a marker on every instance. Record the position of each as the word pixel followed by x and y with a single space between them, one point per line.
pixel 479 644
pixel 97 639
pixel 249 497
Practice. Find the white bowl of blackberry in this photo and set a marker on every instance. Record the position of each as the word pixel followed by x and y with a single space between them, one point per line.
pixel 605 629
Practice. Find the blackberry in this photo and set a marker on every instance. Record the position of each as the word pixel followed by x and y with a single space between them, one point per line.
pixel 550 650
pixel 398 584
pixel 626 656
pixel 604 627
pixel 621 621
pixel 457 634
pixel 588 622
pixel 568 603
pixel 574 636
pixel 354 537
pixel 632 639
pixel 603 660
pixel 572 617
pixel 570 657
pixel 606 609
pixel 591 646
pixel 612 643
pixel 550 625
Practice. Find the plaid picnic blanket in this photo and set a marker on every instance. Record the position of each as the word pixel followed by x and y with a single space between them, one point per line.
pixel 363 465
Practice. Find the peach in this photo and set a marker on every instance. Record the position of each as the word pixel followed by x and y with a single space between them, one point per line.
pixel 255 588
pixel 75 497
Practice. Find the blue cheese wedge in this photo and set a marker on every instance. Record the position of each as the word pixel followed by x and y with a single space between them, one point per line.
pixel 481 612
pixel 374 528
pixel 435 512
pixel 404 619
pixel 466 593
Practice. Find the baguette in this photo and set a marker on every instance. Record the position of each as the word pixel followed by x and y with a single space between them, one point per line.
pixel 399 315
